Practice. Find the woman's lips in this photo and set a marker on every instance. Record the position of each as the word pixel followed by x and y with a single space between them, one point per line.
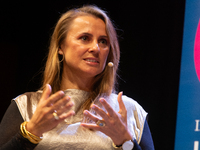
pixel 91 60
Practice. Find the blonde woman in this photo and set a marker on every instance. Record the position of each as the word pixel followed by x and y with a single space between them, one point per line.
pixel 77 108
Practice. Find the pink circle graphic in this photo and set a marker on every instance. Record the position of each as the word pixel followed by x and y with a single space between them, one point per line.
pixel 197 51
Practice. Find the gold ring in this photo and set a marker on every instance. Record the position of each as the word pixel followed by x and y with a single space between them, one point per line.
pixel 100 123
pixel 55 116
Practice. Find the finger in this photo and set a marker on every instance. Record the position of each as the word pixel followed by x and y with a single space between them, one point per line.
pixel 66 115
pixel 63 116
pixel 63 106
pixel 122 107
pixel 46 92
pixel 62 102
pixel 91 116
pixel 55 97
pixel 91 126
pixel 64 112
pixel 99 111
pixel 108 108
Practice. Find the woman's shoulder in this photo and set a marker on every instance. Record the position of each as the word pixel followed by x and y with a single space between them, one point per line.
pixel 136 115
pixel 132 106
pixel 128 101
pixel 27 103
pixel 28 96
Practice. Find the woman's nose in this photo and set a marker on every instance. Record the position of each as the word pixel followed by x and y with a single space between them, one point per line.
pixel 94 47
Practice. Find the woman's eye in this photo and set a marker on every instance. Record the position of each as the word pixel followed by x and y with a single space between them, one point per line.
pixel 103 41
pixel 84 38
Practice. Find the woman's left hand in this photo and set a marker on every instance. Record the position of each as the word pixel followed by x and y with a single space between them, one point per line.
pixel 115 122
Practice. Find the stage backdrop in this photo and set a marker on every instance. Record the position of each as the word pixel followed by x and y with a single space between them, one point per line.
pixel 188 115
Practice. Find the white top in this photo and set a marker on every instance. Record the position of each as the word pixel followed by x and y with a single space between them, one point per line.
pixel 71 135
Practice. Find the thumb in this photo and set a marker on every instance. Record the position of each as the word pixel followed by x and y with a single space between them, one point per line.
pixel 46 92
pixel 122 108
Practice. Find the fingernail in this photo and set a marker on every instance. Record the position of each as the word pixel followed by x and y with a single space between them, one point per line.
pixel 101 99
pixel 72 113
pixel 71 104
pixel 85 113
pixel 68 97
pixel 47 87
pixel 93 107
pixel 61 93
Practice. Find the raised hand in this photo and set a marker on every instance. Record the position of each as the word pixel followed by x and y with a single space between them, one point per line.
pixel 115 122
pixel 43 119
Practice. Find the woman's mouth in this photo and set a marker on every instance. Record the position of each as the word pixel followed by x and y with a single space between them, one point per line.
pixel 91 60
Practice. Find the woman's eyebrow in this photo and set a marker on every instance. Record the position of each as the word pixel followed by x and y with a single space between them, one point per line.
pixel 89 34
pixel 104 36
pixel 86 33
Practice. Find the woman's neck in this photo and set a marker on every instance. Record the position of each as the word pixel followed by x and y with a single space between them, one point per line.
pixel 71 81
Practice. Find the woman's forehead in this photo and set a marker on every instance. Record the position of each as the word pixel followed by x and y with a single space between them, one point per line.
pixel 88 23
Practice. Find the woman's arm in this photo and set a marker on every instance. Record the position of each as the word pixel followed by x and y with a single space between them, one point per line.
pixel 10 131
pixel 115 125
pixel 146 142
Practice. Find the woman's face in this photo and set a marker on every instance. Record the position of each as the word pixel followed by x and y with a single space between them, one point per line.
pixel 86 47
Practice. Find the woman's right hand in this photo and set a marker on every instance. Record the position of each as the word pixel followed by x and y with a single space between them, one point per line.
pixel 43 119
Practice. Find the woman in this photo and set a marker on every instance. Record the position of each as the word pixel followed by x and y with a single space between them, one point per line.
pixel 77 107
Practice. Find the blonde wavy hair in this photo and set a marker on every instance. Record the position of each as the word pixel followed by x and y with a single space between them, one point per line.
pixel 106 81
